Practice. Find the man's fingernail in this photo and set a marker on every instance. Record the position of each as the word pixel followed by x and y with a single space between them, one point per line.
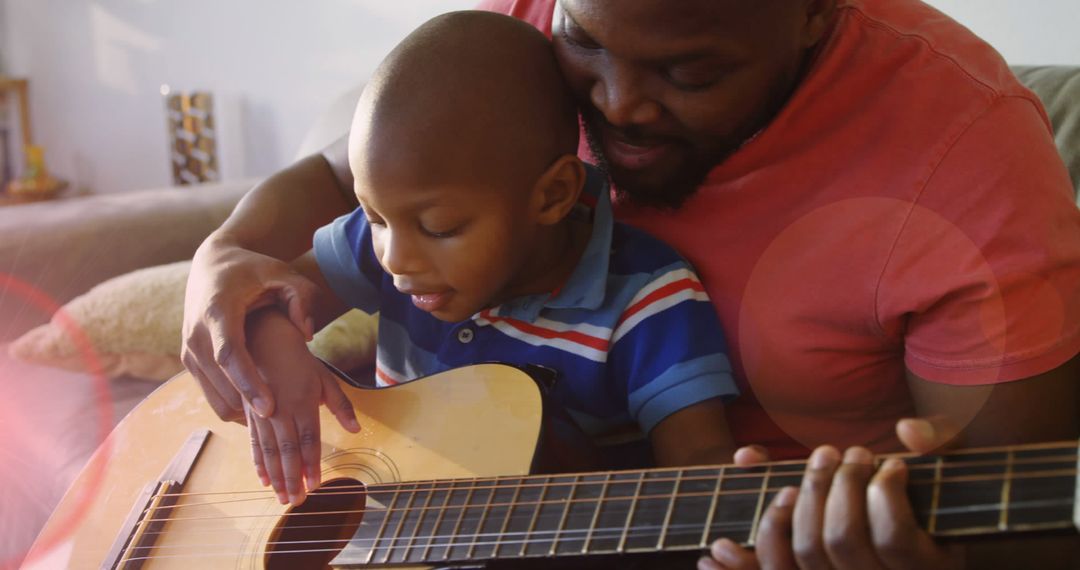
pixel 282 498
pixel 824 457
pixel 785 498
pixel 260 406
pixel 924 429
pixel 724 551
pixel 892 464
pixel 858 455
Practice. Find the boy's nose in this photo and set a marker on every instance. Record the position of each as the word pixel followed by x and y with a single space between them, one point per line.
pixel 398 257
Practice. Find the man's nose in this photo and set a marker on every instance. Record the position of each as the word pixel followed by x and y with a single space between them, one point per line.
pixel 619 93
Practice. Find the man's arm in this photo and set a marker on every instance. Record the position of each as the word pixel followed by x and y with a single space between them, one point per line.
pixel 845 515
pixel 278 217
pixel 242 266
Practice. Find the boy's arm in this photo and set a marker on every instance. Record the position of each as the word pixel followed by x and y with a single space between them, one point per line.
pixel 324 305
pixel 710 444
pixel 286 445
pixel 670 352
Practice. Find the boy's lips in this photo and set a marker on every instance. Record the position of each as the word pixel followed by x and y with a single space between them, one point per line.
pixel 430 302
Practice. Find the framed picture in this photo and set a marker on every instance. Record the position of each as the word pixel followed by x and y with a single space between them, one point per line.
pixel 14 127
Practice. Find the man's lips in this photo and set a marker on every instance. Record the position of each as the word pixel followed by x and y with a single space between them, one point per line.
pixel 634 155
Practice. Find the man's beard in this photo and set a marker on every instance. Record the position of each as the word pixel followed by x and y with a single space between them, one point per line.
pixel 670 195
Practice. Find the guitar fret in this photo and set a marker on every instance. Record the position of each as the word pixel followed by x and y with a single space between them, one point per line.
pixel 596 514
pixel 1006 488
pixel 377 539
pixel 402 518
pixel 712 509
pixel 630 514
pixel 510 510
pixel 671 509
pixel 424 538
pixel 550 515
pixel 760 505
pixel 446 529
pixel 480 525
pixel 525 540
pixel 691 509
pixel 562 519
pixel 936 500
pixel 973 479
pixel 580 513
pixel 418 514
pixel 464 524
pixel 1042 485
pixel 439 537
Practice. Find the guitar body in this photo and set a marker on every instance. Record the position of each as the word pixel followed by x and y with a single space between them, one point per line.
pixel 474 422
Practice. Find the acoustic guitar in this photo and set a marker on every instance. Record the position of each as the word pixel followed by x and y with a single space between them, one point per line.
pixel 439 477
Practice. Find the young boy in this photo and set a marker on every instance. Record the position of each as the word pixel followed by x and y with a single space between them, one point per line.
pixel 474 243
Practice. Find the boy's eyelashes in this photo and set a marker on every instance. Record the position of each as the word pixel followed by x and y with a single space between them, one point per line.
pixel 433 233
pixel 443 234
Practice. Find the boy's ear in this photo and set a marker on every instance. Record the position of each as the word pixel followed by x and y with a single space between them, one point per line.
pixel 558 189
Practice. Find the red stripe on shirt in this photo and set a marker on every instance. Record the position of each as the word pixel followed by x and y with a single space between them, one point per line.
pixel 576 337
pixel 659 295
pixel 386 377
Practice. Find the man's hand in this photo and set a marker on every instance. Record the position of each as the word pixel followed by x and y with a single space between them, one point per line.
pixel 844 515
pixel 286 446
pixel 226 283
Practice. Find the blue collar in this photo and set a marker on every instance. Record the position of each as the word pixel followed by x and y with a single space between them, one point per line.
pixel 585 287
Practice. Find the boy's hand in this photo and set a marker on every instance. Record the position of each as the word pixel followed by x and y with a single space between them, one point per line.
pixel 226 283
pixel 286 446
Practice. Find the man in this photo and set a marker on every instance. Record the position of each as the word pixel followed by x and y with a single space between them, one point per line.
pixel 874 204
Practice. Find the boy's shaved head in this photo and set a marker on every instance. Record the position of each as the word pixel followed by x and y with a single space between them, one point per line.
pixel 468 93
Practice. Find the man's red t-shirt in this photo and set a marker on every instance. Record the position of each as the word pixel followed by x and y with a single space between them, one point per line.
pixel 907 208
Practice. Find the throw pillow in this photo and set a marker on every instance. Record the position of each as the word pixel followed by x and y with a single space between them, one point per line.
pixel 133 321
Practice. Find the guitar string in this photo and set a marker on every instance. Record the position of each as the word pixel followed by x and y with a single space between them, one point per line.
pixel 388 487
pixel 270 495
pixel 391 511
pixel 645 530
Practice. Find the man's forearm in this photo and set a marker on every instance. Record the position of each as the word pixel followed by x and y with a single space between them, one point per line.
pixel 279 216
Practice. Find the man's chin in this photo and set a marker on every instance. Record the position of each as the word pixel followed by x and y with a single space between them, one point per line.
pixel 666 185
pixel 662 190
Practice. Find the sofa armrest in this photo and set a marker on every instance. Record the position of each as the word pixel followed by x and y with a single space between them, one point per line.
pixel 64 247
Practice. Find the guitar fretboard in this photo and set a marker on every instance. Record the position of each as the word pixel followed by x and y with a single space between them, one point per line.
pixel 1014 489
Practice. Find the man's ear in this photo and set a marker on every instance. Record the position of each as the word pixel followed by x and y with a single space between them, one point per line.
pixel 819 16
pixel 558 189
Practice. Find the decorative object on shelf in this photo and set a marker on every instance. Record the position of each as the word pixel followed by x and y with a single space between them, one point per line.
pixel 13 95
pixel 35 183
pixel 192 137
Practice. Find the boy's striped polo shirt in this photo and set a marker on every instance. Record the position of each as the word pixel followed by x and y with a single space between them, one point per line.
pixel 632 333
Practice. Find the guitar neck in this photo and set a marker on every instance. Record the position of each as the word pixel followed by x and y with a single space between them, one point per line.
pixel 977 492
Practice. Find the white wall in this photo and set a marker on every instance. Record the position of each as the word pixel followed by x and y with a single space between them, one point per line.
pixel 1026 32
pixel 96 67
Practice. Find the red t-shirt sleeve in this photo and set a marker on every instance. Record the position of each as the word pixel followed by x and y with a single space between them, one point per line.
pixel 535 12
pixel 986 268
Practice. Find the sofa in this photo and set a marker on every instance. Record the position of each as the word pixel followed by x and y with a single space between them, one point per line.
pixel 64 248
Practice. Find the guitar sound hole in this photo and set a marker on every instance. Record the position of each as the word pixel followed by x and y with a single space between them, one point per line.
pixel 311 535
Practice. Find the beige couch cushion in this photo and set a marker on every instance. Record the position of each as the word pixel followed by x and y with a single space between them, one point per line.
pixel 132 323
